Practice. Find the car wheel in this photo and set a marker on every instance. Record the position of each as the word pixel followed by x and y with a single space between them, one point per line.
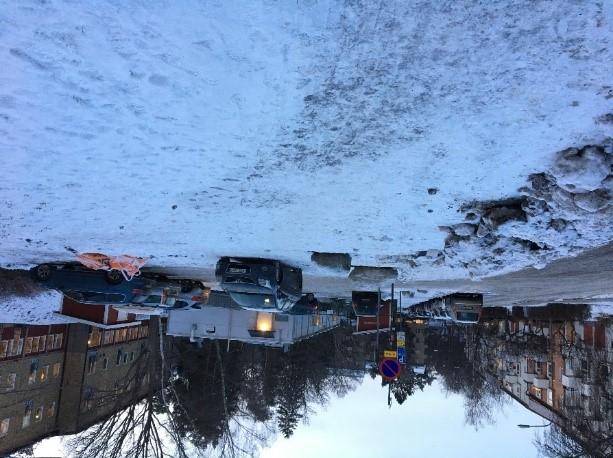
pixel 43 272
pixel 187 286
pixel 114 277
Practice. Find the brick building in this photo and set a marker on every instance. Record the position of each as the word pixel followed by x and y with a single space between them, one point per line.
pixel 31 369
pixel 52 377
pixel 559 367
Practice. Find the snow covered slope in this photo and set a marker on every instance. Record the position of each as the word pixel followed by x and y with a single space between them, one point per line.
pixel 188 130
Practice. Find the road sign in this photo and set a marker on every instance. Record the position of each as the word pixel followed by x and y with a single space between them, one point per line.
pixel 402 355
pixel 389 368
pixel 389 354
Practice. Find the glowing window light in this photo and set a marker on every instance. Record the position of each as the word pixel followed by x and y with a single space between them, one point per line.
pixel 264 322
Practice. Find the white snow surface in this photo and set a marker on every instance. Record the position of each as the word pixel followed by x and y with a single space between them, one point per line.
pixel 37 308
pixel 277 128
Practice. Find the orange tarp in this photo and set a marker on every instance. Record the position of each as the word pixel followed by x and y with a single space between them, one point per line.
pixel 129 266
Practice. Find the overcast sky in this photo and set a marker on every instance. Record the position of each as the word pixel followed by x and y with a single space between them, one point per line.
pixel 429 423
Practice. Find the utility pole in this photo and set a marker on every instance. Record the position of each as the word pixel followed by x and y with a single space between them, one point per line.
pixel 378 307
pixel 400 306
pixel 393 311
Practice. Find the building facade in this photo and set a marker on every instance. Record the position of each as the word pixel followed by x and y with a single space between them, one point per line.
pixel 52 377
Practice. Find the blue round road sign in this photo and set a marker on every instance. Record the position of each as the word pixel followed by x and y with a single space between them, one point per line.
pixel 389 368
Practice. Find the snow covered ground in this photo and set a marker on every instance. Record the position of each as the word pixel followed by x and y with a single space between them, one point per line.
pixel 188 130
pixel 35 309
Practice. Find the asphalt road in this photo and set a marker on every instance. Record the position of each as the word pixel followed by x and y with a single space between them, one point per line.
pixel 584 278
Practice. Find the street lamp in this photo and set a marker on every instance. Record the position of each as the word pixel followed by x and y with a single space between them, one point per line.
pixel 534 426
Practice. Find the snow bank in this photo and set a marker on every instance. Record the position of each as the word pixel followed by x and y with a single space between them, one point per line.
pixel 34 309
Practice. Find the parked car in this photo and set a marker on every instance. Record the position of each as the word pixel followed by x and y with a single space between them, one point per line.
pixel 260 284
pixel 171 296
pixel 308 303
pixel 90 286
pixel 187 284
pixel 465 307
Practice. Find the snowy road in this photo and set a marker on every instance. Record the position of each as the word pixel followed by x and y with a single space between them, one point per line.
pixel 586 278
pixel 184 131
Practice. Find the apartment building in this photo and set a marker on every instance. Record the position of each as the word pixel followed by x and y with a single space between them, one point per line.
pixel 559 368
pixel 31 368
pixel 51 377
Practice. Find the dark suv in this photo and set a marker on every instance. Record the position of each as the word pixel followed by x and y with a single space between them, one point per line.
pixel 260 284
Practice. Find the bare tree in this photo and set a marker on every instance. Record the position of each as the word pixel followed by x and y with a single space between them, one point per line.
pixel 140 422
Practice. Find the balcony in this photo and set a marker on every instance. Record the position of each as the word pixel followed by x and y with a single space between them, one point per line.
pixel 541 383
pixel 528 378
pixel 570 381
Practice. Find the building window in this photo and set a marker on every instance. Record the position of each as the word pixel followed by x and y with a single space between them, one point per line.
pixel 4 346
pixel 94 337
pixel 7 382
pixel 57 368
pixel 28 347
pixel 33 372
pixel 57 344
pixel 585 367
pixel 18 347
pixel 35 344
pixel 4 426
pixel 38 414
pixel 88 394
pixel 131 356
pixel 15 346
pixel 91 363
pixel 604 371
pixel 119 353
pixel 43 343
pixel 539 368
pixel 44 373
pixel 51 410
pixel 125 358
pixel 27 414
pixel 108 337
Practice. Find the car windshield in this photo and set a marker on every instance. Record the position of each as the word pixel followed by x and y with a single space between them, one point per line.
pixel 254 300
pixel 285 302
pixel 468 316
